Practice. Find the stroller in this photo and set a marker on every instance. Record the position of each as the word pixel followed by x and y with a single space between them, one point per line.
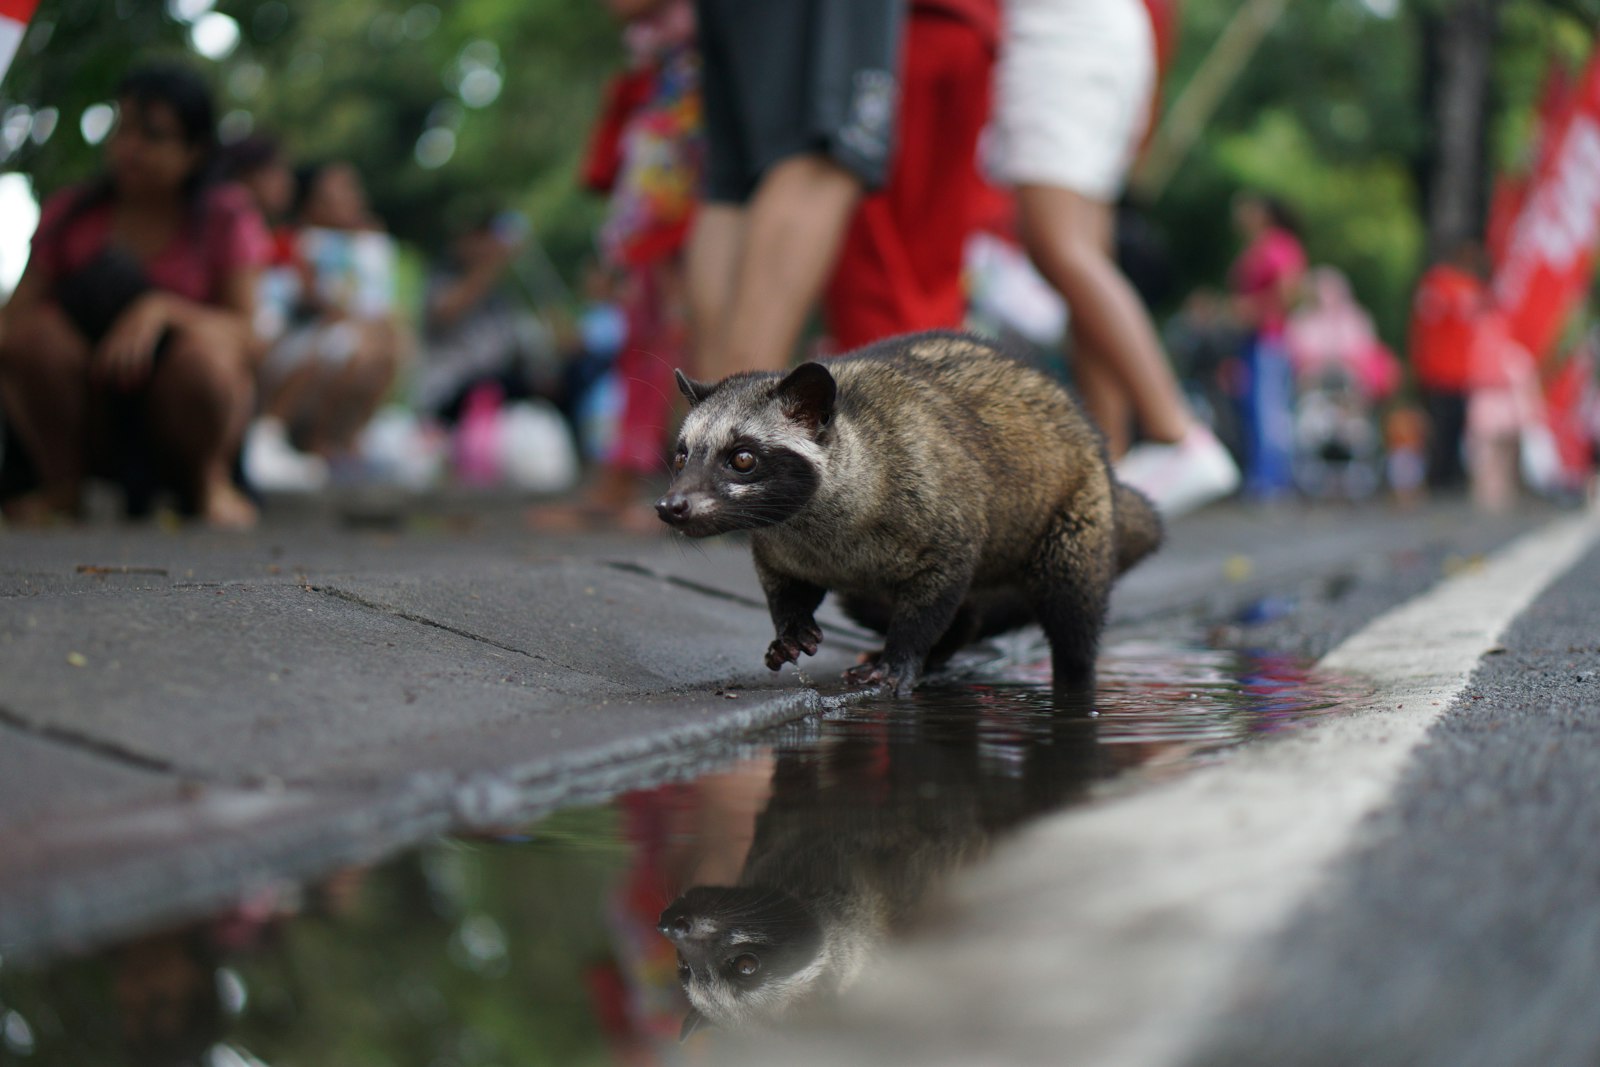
pixel 1338 451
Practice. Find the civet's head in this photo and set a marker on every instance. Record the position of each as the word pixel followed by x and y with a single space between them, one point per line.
pixel 746 956
pixel 751 450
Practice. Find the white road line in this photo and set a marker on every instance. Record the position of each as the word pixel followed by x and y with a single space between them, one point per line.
pixel 1109 935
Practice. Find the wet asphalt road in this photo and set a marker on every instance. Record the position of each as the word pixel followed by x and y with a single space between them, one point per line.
pixel 1468 933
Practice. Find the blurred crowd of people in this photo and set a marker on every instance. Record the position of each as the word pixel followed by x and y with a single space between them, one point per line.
pixel 209 321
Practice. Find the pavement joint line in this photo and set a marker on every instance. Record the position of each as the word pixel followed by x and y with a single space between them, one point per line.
pixel 1124 925
pixel 360 601
pixel 97 746
pixel 636 568
pixel 632 567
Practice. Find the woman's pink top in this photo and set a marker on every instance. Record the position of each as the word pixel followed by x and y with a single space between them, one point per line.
pixel 227 235
pixel 1262 268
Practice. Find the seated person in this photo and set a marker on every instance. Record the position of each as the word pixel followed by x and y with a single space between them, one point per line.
pixel 474 332
pixel 332 367
pixel 126 349
pixel 270 461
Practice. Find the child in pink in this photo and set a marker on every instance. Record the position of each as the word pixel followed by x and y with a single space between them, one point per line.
pixel 1503 401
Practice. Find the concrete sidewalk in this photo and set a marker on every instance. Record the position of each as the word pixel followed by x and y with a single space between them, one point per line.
pixel 185 715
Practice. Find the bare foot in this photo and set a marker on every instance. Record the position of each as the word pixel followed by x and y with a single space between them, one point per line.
pixel 223 507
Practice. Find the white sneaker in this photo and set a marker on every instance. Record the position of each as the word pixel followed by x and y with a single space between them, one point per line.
pixel 274 465
pixel 1181 477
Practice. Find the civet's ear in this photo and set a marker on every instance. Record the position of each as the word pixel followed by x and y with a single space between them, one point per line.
pixel 691 1022
pixel 808 394
pixel 692 390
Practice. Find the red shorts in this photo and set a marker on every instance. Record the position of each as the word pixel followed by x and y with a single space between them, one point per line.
pixel 900 267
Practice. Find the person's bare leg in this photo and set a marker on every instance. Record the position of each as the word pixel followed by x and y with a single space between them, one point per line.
pixel 712 268
pixel 201 396
pixel 289 396
pixel 1069 238
pixel 1103 398
pixel 44 376
pixel 352 394
pixel 796 222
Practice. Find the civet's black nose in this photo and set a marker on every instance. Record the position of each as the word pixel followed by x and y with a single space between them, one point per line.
pixel 676 927
pixel 673 508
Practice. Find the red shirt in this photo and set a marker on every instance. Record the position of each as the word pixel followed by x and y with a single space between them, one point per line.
pixel 226 235
pixel 1444 317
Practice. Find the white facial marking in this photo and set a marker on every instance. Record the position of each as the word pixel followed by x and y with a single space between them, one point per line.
pixel 713 427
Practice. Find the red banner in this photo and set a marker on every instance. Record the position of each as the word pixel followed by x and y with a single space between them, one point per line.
pixel 1549 257
pixel 17 10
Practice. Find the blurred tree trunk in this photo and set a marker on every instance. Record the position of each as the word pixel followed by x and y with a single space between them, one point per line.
pixel 1458 41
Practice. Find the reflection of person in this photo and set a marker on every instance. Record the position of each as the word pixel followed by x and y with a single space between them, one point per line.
pixel 326 375
pixel 1445 310
pixel 1266 282
pixel 126 348
pixel 1076 81
pixel 799 100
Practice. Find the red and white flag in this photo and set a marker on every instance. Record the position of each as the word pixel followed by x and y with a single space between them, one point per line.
pixel 14 16
pixel 1549 255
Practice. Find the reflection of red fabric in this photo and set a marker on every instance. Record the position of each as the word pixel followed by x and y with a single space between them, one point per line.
pixel 626 94
pixel 1443 317
pixel 900 267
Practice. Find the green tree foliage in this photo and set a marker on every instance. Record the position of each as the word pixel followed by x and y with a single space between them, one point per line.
pixel 1330 117
pixel 1324 119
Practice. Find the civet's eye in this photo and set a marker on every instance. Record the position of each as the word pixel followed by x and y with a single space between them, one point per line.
pixel 746 965
pixel 683 971
pixel 743 461
pixel 679 459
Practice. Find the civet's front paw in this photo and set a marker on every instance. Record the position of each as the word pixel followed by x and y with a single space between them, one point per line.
pixel 791 642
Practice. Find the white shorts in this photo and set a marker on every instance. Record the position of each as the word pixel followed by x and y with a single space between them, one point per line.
pixel 1074 91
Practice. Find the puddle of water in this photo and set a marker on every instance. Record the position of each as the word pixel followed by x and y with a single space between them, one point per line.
pixel 762 887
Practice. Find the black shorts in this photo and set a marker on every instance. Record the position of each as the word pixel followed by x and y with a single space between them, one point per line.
pixel 789 77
